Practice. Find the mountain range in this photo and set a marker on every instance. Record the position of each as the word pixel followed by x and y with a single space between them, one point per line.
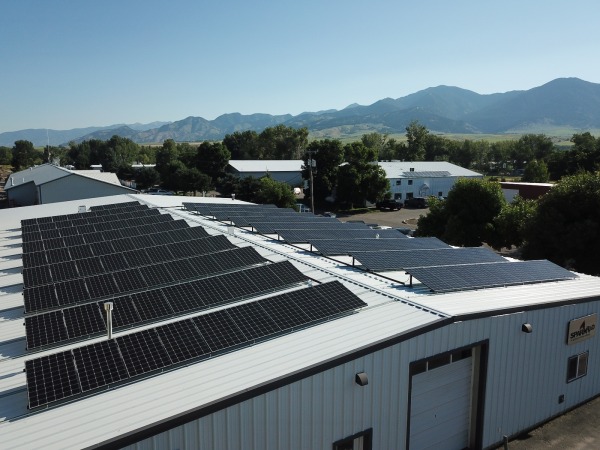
pixel 566 104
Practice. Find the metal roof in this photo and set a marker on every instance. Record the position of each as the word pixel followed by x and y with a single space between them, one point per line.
pixel 393 310
pixel 267 165
pixel 420 169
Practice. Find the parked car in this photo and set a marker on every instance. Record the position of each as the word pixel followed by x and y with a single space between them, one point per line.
pixel 329 214
pixel 415 202
pixel 388 203
pixel 159 191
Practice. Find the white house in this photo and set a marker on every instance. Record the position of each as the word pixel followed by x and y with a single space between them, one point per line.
pixel 288 170
pixel 410 179
pixel 48 183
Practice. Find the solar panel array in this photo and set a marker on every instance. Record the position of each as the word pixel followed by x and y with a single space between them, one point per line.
pixel 127 206
pixel 172 300
pixel 304 236
pixel 427 174
pixel 333 247
pixel 82 370
pixel 381 261
pixel 477 276
pixel 120 273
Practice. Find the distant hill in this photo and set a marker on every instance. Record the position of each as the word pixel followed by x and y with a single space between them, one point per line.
pixel 564 103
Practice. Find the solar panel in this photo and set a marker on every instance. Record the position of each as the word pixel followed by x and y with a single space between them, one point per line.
pixel 101 286
pixel 84 320
pixel 124 312
pixel 300 236
pixel 219 330
pixel 253 320
pixel 181 269
pixel 183 297
pixel 331 224
pixel 40 297
pixel 332 247
pixel 36 276
pixel 151 305
pixel 99 365
pixel 65 374
pixel 182 341
pixel 156 274
pixel 45 329
pixel 476 276
pixel 63 271
pixel 397 260
pixel 89 266
pixel 50 378
pixel 72 291
pixel 129 280
pixel 142 352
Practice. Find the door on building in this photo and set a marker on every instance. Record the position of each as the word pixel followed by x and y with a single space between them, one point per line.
pixel 441 403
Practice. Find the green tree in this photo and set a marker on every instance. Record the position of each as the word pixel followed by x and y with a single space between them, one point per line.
pixel 510 224
pixel 192 180
pixel 125 150
pixel 166 155
pixel 242 144
pixel 5 156
pixel 466 217
pixel 566 226
pixel 212 159
pixel 275 192
pixel 146 177
pixel 282 142
pixel 360 179
pixel 328 154
pixel 24 155
pixel 536 172
pixel 416 138
pixel 375 141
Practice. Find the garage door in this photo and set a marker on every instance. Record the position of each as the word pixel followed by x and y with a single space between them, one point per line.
pixel 440 407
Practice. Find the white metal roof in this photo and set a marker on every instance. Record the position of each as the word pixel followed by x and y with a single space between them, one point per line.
pixel 38 175
pixel 105 177
pixel 267 165
pixel 399 169
pixel 392 310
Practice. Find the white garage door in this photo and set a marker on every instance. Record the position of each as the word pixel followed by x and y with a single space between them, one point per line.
pixel 440 407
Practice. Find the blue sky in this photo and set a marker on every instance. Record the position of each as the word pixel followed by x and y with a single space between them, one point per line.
pixel 75 63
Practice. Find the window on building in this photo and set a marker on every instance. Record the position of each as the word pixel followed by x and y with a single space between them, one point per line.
pixel 410 182
pixel 398 196
pixel 409 195
pixel 577 366
pixel 440 194
pixel 398 182
pixel 412 169
pixel 360 441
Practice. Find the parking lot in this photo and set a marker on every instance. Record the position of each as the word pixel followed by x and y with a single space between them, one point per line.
pixel 404 218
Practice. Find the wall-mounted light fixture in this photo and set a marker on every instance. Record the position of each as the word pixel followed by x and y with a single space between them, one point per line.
pixel 361 379
pixel 526 328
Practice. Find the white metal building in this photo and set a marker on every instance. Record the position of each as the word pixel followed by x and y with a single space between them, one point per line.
pixel 49 183
pixel 410 370
pixel 287 170
pixel 410 179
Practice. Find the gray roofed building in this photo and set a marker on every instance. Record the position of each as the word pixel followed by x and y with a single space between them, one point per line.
pixel 49 183
pixel 403 368
pixel 288 170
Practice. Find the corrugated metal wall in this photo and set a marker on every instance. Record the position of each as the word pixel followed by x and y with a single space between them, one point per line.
pixel 526 374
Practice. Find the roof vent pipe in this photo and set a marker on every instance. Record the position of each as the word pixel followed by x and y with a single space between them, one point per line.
pixel 108 307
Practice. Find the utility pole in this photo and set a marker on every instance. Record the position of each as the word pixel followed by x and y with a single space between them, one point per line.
pixel 311 163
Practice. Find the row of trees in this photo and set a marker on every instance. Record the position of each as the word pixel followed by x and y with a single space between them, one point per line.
pixel 563 226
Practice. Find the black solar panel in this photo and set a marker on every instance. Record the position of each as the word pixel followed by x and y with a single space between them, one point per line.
pixel 253 320
pixel 332 247
pixel 89 266
pixel 401 259
pixel 99 365
pixel 219 330
pixel 183 297
pixel 36 276
pixel 101 286
pixel 156 274
pixel 129 280
pixel 476 276
pixel 84 320
pixel 124 312
pixel 317 226
pixel 151 305
pixel 181 269
pixel 45 329
pixel 182 341
pixel 72 291
pixel 142 352
pixel 285 312
pixel 51 378
pixel 299 236
pixel 40 297
pixel 63 271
